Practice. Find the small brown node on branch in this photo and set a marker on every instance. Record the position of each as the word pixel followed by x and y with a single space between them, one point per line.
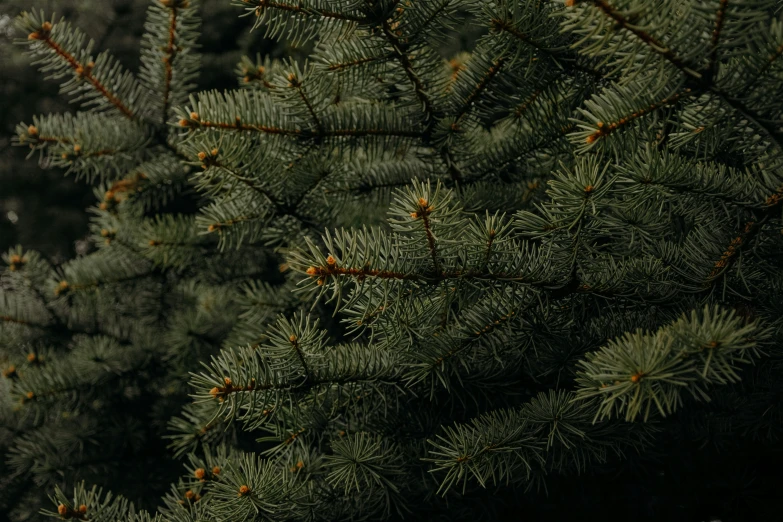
pixel 9 372
pixel 635 378
pixel 62 509
pixel 216 470
pixel 311 271
pixel 41 34
pixel 243 490
pixel 227 380
pixel 61 288
pixel 200 473
pixel 330 260
pixel 31 357
pixel 32 130
pixel 292 338
pixel 30 395
pixel 15 262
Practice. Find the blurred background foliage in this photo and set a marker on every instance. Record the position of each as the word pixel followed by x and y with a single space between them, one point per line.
pixel 41 208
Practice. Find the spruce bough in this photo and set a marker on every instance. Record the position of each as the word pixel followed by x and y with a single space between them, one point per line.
pixel 402 275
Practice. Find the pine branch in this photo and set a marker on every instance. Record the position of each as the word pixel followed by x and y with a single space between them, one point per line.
pixel 170 55
pixel 715 39
pixel 498 24
pixel 654 45
pixel 82 70
pixel 262 5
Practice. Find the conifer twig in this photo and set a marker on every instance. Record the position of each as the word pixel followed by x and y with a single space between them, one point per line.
pixel 82 70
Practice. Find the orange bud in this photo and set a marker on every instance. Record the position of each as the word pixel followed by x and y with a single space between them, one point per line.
pixel 31 357
pixel 311 271
pixel 202 156
pixel 189 494
pixel 243 490
pixel 82 509
pixel 32 130
pixel 216 470
pixel 227 380
pixel 199 473
pixel 62 509
pixel 292 338
pixel 330 260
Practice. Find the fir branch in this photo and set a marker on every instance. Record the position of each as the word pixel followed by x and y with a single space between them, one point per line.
pixel 716 34
pixel 298 85
pixel 261 5
pixel 81 70
pixel 499 24
pixel 400 51
pixel 606 128
pixel 654 44
pixel 494 69
pixel 423 212
pixel 237 125
pixel 336 67
pixel 765 126
pixel 170 54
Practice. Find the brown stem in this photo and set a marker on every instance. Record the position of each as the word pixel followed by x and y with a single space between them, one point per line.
pixel 353 63
pixel 262 4
pixel 298 350
pixel 171 52
pixel 86 73
pixel 505 25
pixel 310 108
pixel 424 212
pixel 604 129
pixel 485 80
pixel 657 46
pixel 237 125
pixel 719 18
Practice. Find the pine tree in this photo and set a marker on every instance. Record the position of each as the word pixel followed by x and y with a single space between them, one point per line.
pixel 408 274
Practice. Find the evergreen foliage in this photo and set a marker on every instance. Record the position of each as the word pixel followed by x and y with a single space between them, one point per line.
pixel 409 274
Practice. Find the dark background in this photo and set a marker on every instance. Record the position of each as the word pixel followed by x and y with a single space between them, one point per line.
pixel 42 209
